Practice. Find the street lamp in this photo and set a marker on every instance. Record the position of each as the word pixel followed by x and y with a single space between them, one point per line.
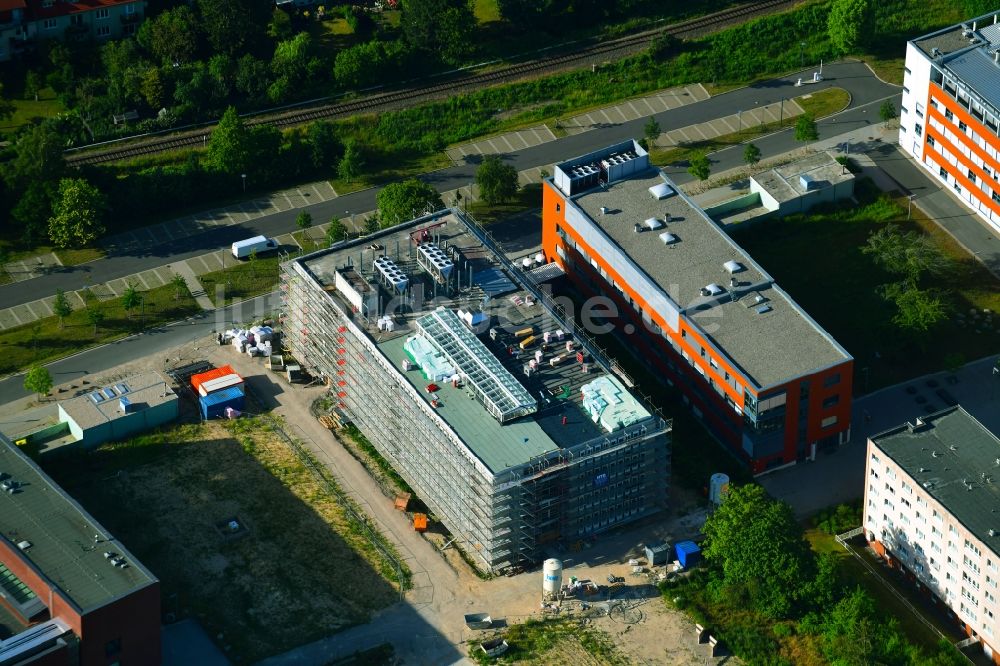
pixel 802 62
pixel 244 176
pixel 739 121
pixel 909 205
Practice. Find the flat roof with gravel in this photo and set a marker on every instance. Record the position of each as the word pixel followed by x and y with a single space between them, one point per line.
pixel 955 459
pixel 756 324
pixel 142 390
pixel 60 540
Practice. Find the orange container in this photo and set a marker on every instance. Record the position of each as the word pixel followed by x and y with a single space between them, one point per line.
pixel 420 522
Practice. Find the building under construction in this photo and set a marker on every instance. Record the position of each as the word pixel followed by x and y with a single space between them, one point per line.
pixel 506 419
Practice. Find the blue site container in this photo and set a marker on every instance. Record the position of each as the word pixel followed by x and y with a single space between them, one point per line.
pixel 213 405
pixel 688 553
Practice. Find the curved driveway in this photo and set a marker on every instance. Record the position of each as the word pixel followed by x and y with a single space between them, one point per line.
pixel 866 92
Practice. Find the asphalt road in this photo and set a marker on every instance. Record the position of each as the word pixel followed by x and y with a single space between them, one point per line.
pixel 865 89
pixel 152 342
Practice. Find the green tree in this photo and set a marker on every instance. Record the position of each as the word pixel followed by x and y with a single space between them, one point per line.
pixel 917 310
pixel 280 26
pixel 850 23
pixel 32 85
pixel 371 224
pixel 77 214
pixel 291 58
pixel 61 307
pixel 441 29
pixel 229 147
pixel 251 77
pixel 887 111
pixel 303 221
pixel 699 166
pixel 171 36
pixel 759 547
pixel 402 201
pixel 131 298
pixel 497 181
pixel 336 232
pixel 523 14
pixel 152 89
pixel 38 157
pixel 910 254
pixel 751 154
pixel 651 130
pixel 252 260
pixel 805 128
pixel 38 380
pixel 34 209
pixel 365 64
pixel 323 144
pixel 180 286
pixel 95 317
pixel 351 162
pixel 234 26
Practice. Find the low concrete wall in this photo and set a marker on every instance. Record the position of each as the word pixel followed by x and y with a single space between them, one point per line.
pixel 750 200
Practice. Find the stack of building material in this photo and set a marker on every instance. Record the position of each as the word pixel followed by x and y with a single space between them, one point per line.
pixel 431 362
pixel 609 404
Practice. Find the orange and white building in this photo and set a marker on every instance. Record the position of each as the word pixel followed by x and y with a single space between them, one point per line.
pixel 950 114
pixel 932 509
pixel 751 364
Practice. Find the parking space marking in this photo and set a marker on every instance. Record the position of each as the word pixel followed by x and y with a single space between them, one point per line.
pixel 38 306
pixel 79 297
pixel 195 262
pixel 17 318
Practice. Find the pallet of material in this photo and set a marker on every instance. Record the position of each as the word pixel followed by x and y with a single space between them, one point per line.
pixel 527 342
pixel 524 332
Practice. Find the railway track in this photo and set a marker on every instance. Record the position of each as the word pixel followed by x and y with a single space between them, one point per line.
pixel 401 97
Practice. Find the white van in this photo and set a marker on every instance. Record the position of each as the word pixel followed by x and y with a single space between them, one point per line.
pixel 259 244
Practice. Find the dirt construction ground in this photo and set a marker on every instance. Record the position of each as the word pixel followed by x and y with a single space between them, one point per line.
pixel 276 606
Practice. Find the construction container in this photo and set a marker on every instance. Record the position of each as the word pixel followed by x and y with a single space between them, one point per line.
pixel 657 553
pixel 420 522
pixel 688 553
pixel 402 501
pixel 213 405
pixel 215 373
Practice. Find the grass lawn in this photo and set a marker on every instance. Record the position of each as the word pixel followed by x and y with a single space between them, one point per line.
pixel 245 280
pixel 43 341
pixel 900 20
pixel 817 259
pixel 825 102
pixel 553 641
pixel 299 571
pixel 528 198
pixel 486 11
pixel 27 109
pixel 310 240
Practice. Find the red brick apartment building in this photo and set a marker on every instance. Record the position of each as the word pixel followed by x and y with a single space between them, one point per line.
pixel 767 380
pixel 950 115
pixel 70 593
pixel 932 501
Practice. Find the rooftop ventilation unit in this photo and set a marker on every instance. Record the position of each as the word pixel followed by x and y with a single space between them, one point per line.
pixel 604 210
pixel 992 532
pixel 764 309
pixel 668 238
pixel 391 274
pixel 712 289
pixel 733 267
pixel 25 545
pixel 652 224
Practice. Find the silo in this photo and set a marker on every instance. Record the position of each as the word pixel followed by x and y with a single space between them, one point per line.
pixel 718 486
pixel 552 576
